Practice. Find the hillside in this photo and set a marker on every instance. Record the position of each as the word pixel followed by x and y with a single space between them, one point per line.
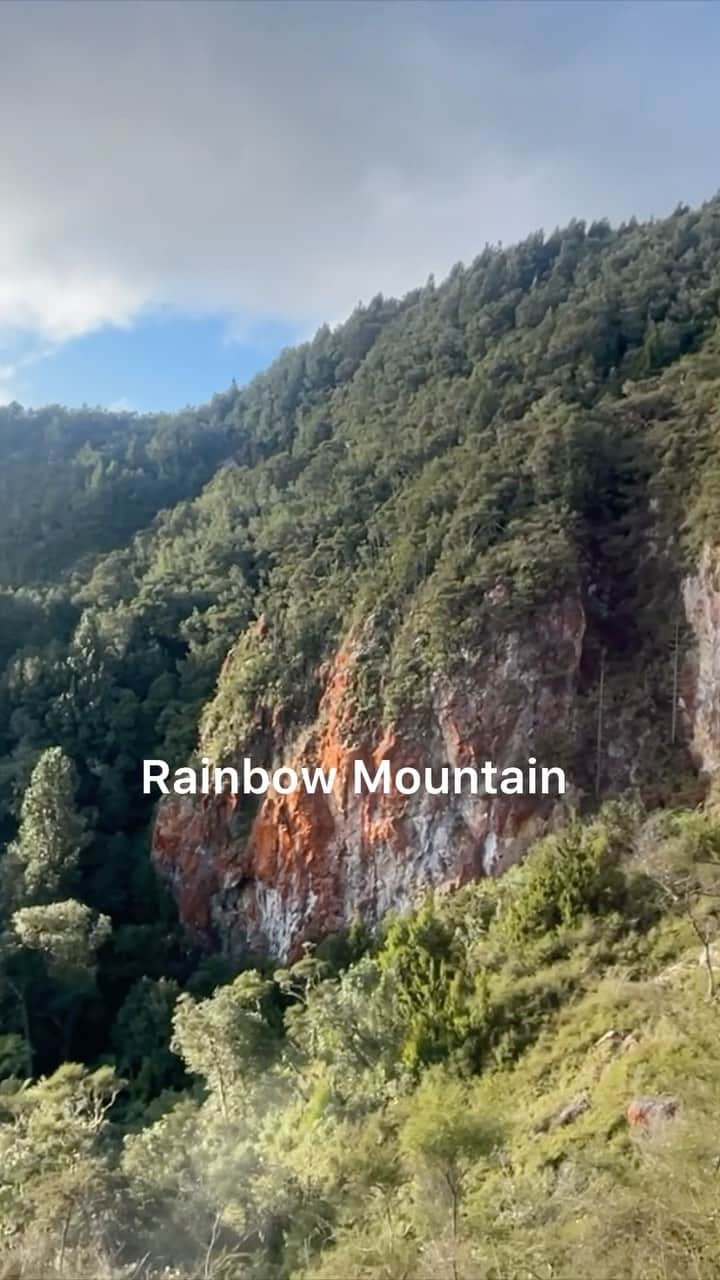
pixel 481 518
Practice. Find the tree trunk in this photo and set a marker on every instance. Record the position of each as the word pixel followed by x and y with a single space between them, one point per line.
pixel 63 1240
pixel 25 1019
pixel 600 717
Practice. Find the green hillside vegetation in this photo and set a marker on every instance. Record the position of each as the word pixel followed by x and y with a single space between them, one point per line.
pixel 450 1101
pixel 545 420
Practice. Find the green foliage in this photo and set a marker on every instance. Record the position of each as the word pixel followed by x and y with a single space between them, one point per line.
pixel 53 1174
pixel 442 1140
pixel 570 875
pixel 225 1037
pixel 52 833
pixel 452 1102
pixel 13 1055
pixel 78 483
pixel 429 986
pixel 67 933
pixel 441 1130
pixel 141 1038
pixel 413 483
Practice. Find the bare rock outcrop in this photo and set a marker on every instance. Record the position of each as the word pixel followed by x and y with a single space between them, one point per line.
pixel 302 865
pixel 310 864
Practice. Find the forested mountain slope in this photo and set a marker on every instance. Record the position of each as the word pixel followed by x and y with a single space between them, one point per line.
pixel 516 445
pixel 481 517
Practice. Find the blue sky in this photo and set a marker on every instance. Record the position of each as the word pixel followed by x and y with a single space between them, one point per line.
pixel 158 361
pixel 187 187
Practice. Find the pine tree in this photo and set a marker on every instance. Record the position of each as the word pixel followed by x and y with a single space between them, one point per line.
pixel 68 933
pixel 52 833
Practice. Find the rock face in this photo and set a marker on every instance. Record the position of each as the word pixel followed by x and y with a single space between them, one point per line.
pixel 647 1112
pixel 701 675
pixel 267 880
pixel 310 864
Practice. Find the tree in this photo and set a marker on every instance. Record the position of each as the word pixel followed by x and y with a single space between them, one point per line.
pixel 571 874
pixel 354 1027
pixel 224 1038
pixel 52 833
pixel 68 934
pixel 441 1138
pixel 55 1180
pixel 682 860
pixel 19 972
pixel 141 1037
pixel 428 983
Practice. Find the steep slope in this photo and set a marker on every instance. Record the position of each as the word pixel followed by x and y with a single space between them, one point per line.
pixel 507 499
pixel 76 484
pixel 479 521
pixel 399 499
pixel 314 863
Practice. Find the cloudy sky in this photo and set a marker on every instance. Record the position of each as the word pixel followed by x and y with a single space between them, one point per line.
pixel 185 188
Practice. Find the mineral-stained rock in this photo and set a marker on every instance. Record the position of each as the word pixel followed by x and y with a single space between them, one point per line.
pixel 303 865
pixel 310 864
pixel 644 1112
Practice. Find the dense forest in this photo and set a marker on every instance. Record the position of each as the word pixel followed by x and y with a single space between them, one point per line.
pixel 448 1097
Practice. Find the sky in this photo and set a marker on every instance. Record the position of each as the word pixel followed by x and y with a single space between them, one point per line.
pixel 186 188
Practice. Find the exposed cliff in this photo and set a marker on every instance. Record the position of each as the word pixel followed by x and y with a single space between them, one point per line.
pixel 311 863
pixel 481 541
pixel 700 687
pixel 304 865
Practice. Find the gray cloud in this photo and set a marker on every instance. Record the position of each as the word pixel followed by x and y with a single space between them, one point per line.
pixel 291 158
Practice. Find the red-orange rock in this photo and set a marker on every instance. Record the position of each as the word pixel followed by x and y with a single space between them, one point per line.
pixel 310 864
pixel 648 1111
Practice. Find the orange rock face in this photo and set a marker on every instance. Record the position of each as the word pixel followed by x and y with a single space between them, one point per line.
pixel 268 879
pixel 645 1113
pixel 306 865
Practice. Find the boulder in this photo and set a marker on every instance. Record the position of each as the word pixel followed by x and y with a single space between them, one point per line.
pixel 566 1115
pixel 645 1112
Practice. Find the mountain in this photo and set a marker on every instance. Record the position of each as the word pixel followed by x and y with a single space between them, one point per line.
pixel 503 506
pixel 480 522
pixel 424 532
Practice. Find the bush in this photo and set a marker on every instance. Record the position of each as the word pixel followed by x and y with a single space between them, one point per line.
pixel 569 875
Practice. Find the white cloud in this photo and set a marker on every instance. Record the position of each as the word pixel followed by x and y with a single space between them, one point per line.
pixel 122 405
pixel 62 304
pixel 288 159
pixel 12 370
